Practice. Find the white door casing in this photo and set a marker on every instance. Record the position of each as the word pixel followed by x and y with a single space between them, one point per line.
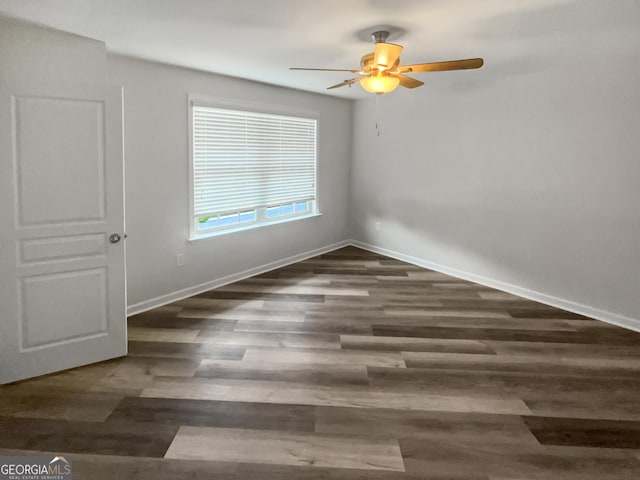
pixel 62 283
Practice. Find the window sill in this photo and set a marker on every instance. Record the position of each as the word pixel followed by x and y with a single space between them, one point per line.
pixel 253 226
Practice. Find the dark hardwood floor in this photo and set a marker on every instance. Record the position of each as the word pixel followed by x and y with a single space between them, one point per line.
pixel 347 366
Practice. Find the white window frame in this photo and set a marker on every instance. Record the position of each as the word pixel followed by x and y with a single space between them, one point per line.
pixel 261 220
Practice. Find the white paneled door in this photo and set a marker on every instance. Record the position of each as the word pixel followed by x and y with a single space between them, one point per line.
pixel 62 272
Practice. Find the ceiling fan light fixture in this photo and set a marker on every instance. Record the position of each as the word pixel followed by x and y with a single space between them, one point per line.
pixel 382 72
pixel 379 83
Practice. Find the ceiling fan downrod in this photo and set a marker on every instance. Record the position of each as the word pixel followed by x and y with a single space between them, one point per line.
pixel 380 36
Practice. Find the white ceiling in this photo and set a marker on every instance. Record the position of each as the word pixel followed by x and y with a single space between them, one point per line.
pixel 261 39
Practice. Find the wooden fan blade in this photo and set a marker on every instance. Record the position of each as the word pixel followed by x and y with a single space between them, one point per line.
pixel 346 82
pixel 442 66
pixel 409 82
pixel 386 55
pixel 325 69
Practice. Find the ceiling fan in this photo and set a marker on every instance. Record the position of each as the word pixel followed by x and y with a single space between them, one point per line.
pixel 381 71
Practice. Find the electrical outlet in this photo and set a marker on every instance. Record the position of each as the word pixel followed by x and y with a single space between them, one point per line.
pixel 180 259
pixel 378 226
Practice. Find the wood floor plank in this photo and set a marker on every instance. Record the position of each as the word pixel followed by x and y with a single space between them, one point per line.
pixel 172 321
pixel 502 334
pixel 585 406
pixel 215 294
pixel 346 310
pixel 328 262
pixel 154 317
pixel 148 440
pixel 59 404
pixel 308 280
pixel 220 303
pixel 245 314
pixel 585 432
pixel 145 334
pixel 472 322
pixel 607 353
pixel 381 321
pixel 294 288
pixel 308 326
pixel 438 425
pixel 443 312
pixel 341 396
pixel 208 413
pixel 524 363
pixel 185 350
pixel 318 374
pixel 288 305
pixel 264 339
pixel 360 271
pixel 259 446
pixel 511 305
pixel 527 385
pixel 322 356
pixel 439 381
pixel 409 344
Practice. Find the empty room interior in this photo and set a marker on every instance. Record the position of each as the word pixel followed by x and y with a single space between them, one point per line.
pixel 367 239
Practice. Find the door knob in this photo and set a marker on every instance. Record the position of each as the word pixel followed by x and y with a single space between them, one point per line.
pixel 114 238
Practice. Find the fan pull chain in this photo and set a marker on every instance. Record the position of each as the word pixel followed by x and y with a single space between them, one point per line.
pixel 378 117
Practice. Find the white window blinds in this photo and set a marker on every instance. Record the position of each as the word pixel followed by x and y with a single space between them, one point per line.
pixel 246 160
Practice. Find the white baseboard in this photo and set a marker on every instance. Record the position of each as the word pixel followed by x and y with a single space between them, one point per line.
pixel 608 317
pixel 219 282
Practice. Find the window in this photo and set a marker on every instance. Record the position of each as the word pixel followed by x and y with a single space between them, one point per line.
pixel 249 168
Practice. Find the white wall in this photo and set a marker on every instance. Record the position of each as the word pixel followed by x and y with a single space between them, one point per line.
pixel 525 174
pixel 156 182
pixel 50 55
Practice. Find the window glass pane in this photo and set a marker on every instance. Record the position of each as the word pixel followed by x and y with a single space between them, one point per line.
pixel 249 216
pixel 207 222
pixel 286 209
pixel 228 219
pixel 273 212
pixel 301 207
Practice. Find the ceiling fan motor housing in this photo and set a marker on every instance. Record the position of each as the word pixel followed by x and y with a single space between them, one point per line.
pixel 367 61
